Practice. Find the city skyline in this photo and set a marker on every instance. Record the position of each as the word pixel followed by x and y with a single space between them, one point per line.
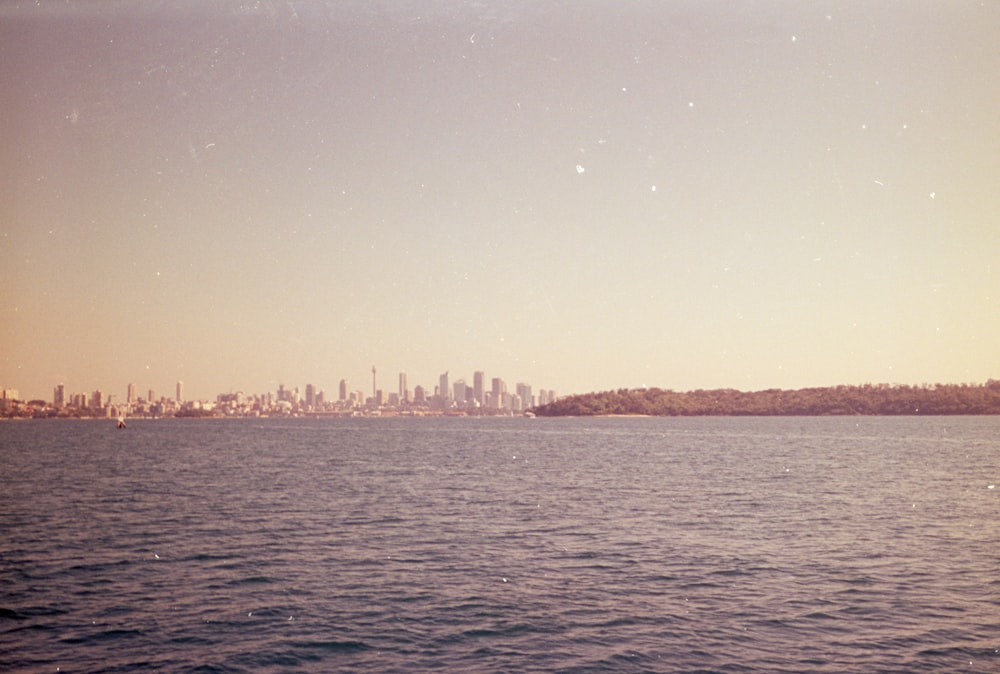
pixel 455 399
pixel 688 195
pixel 456 390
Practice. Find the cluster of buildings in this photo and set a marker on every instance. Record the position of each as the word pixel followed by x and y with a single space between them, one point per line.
pixel 459 397
pixel 93 404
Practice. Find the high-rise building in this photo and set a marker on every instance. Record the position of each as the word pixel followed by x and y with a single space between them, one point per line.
pixel 515 403
pixel 130 395
pixel 479 387
pixel 404 393
pixel 310 396
pixel 443 388
pixel 180 392
pixel 151 397
pixel 524 393
pixel 499 391
pixel 59 396
pixel 343 390
pixel 97 400
pixel 461 391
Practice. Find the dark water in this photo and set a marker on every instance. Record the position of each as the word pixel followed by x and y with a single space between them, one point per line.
pixel 501 545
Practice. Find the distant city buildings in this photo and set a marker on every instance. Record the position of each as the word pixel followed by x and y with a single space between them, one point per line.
pixel 451 398
pixel 523 396
pixel 479 388
pixel 497 393
pixel 8 398
pixel 459 393
pixel 443 387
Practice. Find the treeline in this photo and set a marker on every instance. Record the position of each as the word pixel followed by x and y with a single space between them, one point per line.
pixel 878 399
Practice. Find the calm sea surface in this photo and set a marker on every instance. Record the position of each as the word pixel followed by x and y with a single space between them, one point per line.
pixel 501 545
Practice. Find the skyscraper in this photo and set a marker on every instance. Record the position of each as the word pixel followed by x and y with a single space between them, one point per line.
pixel 404 394
pixel 499 390
pixel 59 396
pixel 524 393
pixel 310 396
pixel 443 388
pixel 343 389
pixel 130 395
pixel 479 387
pixel 180 392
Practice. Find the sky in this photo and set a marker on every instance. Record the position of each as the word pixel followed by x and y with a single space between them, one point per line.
pixel 582 196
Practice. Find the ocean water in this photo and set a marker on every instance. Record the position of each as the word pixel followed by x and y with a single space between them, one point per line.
pixel 501 545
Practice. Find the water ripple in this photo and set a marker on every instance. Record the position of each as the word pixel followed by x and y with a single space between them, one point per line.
pixel 615 545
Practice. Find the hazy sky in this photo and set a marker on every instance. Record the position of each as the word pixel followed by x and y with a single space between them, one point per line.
pixel 581 195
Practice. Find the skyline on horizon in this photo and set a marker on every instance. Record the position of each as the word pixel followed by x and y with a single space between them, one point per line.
pixel 398 383
pixel 686 196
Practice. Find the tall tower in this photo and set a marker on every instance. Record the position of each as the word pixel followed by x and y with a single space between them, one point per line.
pixel 499 391
pixel 374 391
pixel 404 394
pixel 524 393
pixel 59 396
pixel 343 389
pixel 180 392
pixel 130 395
pixel 479 387
pixel 443 388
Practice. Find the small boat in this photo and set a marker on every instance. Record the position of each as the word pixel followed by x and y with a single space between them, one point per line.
pixel 121 422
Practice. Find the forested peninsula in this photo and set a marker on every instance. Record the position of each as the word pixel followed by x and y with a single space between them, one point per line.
pixel 869 399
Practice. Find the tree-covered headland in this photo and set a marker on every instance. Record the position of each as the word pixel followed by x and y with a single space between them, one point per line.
pixel 869 399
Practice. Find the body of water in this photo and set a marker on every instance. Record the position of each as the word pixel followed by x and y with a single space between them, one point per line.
pixel 501 545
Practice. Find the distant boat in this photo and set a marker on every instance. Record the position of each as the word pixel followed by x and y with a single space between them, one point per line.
pixel 121 422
